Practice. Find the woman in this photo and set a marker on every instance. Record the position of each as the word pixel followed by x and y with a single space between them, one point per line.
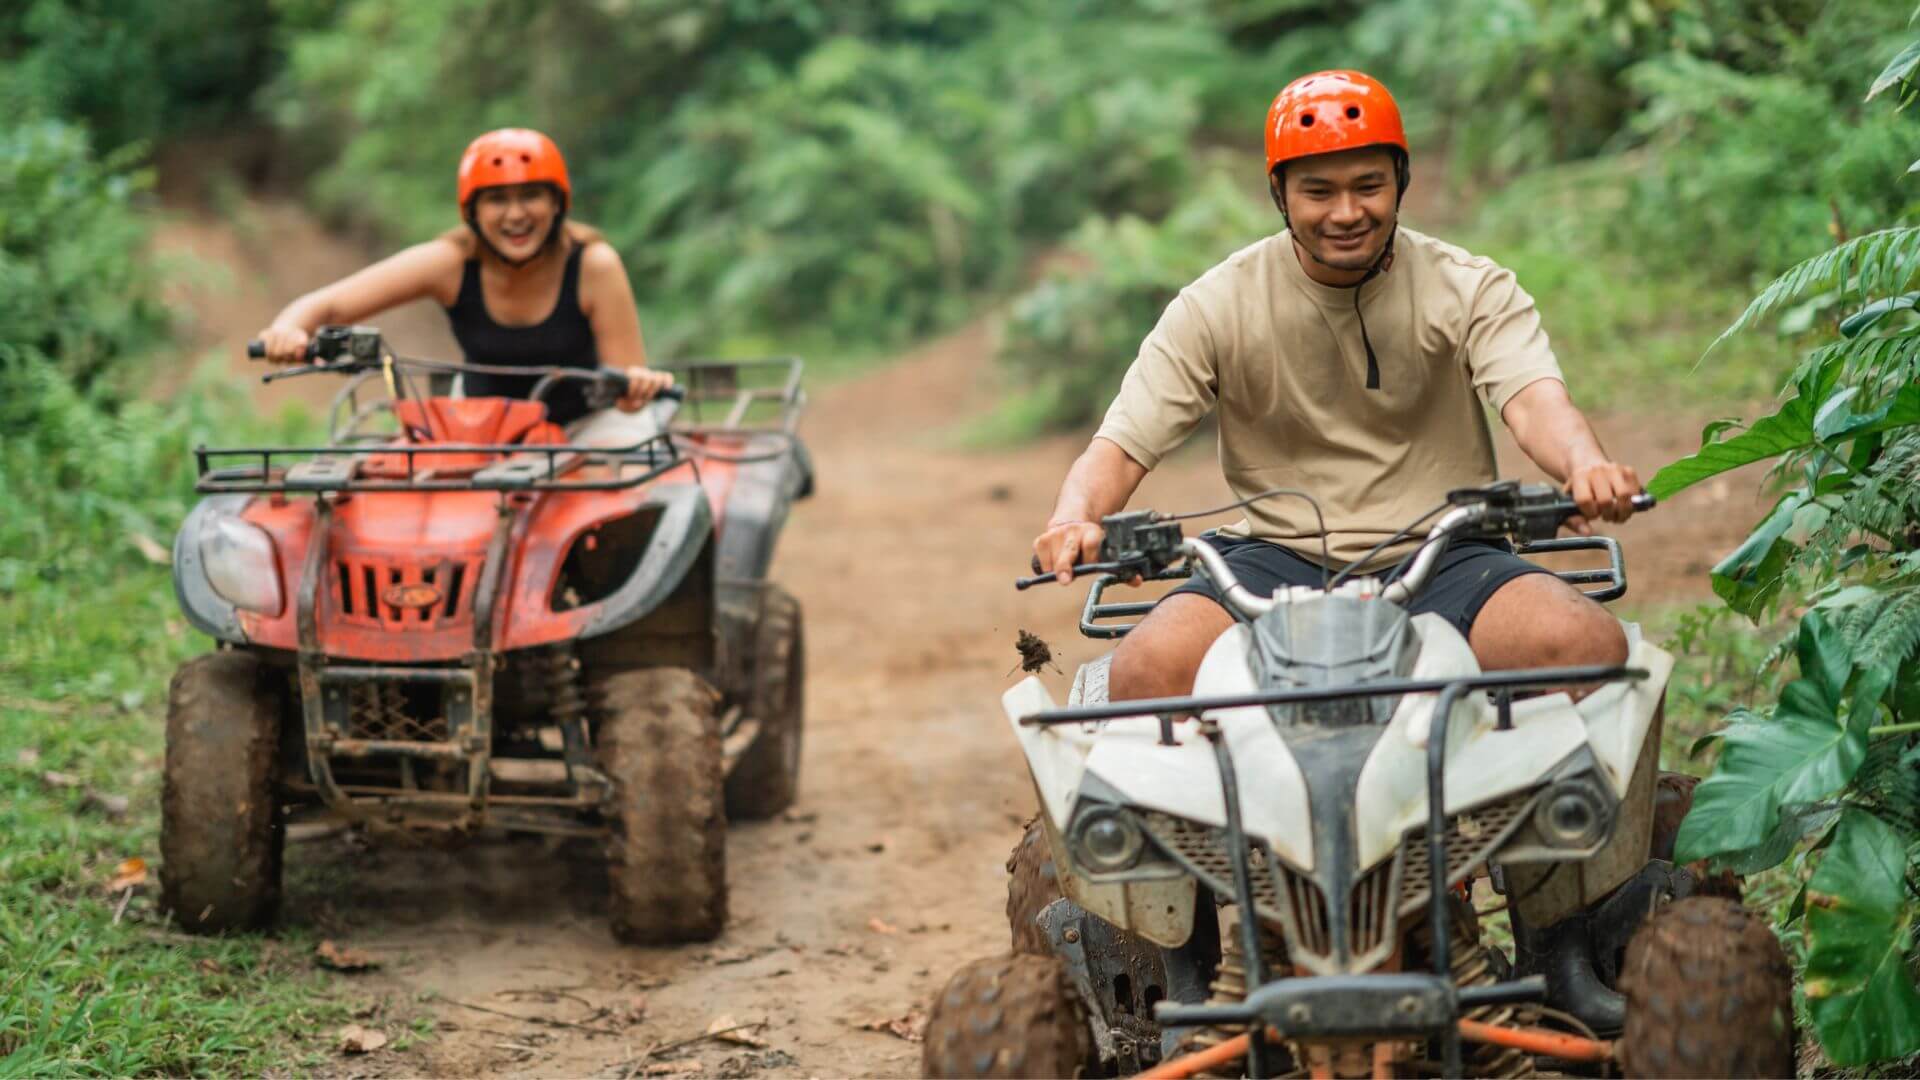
pixel 521 284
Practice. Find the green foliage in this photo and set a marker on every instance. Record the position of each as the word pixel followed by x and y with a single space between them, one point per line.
pixel 852 168
pixel 73 282
pixel 1069 337
pixel 131 70
pixel 1820 765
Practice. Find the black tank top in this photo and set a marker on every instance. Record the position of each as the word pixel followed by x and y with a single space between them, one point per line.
pixel 565 337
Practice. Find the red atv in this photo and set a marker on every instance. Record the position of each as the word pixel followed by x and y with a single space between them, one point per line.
pixel 459 616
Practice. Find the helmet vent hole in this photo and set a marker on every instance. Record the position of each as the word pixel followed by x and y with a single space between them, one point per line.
pixel 1353 112
pixel 525 159
pixel 1306 119
pixel 497 162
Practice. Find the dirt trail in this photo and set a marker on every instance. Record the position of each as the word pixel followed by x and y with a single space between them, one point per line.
pixel 888 873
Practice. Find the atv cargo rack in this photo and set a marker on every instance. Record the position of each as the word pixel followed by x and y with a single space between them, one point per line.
pixel 283 470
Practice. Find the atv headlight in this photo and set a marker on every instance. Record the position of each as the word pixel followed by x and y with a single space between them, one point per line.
pixel 240 565
pixel 1573 814
pixel 1107 839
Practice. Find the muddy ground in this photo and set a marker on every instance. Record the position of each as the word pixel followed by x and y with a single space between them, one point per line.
pixel 852 910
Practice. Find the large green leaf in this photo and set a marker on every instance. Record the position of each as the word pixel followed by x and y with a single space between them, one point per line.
pixel 1798 425
pixel 1803 754
pixel 1860 921
pixel 1785 431
pixel 1749 578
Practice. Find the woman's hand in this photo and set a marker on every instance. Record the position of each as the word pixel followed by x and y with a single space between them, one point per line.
pixel 643 384
pixel 285 344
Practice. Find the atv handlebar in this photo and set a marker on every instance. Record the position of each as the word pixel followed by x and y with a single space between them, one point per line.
pixel 349 350
pixel 1143 544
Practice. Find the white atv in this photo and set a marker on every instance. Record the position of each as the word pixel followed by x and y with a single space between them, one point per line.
pixel 1336 758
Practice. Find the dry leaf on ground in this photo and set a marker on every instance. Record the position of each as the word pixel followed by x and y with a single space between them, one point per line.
pixel 149 548
pixel 912 1026
pixel 110 806
pixel 342 958
pixel 355 1039
pixel 27 758
pixel 59 779
pixel 674 1068
pixel 128 874
pixel 727 1029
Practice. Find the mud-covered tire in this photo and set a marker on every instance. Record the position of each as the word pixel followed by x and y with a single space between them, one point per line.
pixel 1709 993
pixel 1032 884
pixel 768 775
pixel 1008 1016
pixel 221 830
pixel 658 740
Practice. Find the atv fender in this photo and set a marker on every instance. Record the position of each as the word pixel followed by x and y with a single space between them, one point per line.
pixel 756 511
pixel 204 608
pixel 674 546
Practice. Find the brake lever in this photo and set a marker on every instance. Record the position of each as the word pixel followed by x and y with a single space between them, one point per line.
pixel 1128 567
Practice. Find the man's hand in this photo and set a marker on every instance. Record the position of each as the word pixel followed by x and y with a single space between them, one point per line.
pixel 643 385
pixel 1066 543
pixel 1604 491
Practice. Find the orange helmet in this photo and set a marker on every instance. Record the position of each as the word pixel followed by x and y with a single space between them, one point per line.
pixel 512 156
pixel 1330 111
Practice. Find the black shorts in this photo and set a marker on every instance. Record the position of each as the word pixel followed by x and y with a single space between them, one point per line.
pixel 1469 573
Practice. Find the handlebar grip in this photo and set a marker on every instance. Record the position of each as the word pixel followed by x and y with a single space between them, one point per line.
pixel 256 349
pixel 673 393
pixel 1644 501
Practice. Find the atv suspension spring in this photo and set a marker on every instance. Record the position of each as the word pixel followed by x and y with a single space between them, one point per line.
pixel 1472 965
pixel 567 700
pixel 1229 987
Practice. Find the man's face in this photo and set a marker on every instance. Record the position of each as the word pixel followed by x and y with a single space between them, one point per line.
pixel 1342 205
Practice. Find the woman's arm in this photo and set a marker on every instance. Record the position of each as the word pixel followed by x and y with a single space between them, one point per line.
pixel 606 298
pixel 429 269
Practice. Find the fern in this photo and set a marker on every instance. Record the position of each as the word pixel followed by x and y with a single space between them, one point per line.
pixel 1880 263
pixel 1893 635
pixel 1880 362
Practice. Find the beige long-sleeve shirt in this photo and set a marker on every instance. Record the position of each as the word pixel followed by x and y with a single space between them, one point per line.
pixel 1280 357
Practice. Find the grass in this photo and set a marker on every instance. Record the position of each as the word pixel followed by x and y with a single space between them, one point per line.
pixel 93 980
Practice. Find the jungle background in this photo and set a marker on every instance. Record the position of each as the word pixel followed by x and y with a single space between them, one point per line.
pixel 967 214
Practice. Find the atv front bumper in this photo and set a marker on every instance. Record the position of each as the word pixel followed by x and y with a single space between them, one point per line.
pixel 1384 1006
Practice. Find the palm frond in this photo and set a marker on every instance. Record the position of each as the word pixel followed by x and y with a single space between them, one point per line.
pixel 1878 264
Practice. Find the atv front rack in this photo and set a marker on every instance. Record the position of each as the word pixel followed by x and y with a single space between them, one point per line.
pixel 314 469
pixel 1405 1004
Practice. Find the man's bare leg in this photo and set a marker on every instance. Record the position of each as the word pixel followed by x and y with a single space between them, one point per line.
pixel 1540 621
pixel 1160 657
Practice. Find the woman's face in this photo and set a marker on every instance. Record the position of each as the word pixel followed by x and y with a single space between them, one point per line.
pixel 516 218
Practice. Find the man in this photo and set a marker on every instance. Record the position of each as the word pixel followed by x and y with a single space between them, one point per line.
pixel 1348 357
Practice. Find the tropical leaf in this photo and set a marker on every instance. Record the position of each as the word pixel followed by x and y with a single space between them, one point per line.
pixel 1749 578
pixel 1860 920
pixel 1885 262
pixel 1898 70
pixel 1804 753
pixel 1799 425
pixel 1864 319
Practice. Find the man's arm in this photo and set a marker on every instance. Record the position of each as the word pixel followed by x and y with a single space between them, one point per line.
pixel 1556 435
pixel 1100 483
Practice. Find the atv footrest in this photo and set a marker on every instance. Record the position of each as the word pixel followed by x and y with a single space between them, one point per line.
pixel 1372 1006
